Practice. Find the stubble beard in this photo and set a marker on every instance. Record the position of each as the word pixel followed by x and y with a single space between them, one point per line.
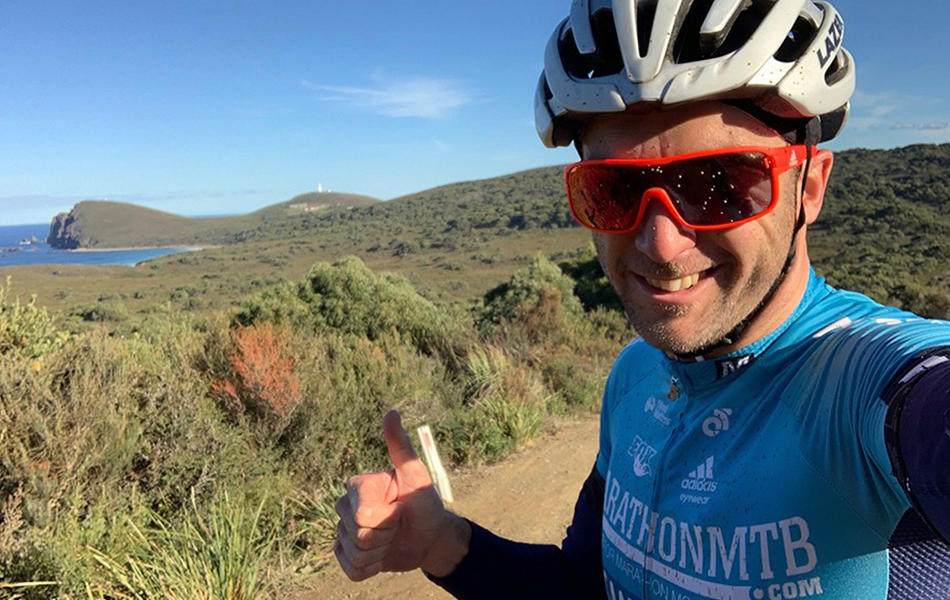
pixel 657 323
pixel 664 332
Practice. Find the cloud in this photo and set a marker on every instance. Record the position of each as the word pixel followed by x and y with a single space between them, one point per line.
pixel 421 97
pixel 192 194
pixel 882 110
pixel 32 208
pixel 36 201
pixel 871 109
pixel 929 126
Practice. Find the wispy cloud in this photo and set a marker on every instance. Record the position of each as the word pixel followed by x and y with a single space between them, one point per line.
pixel 9 202
pixel 871 109
pixel 928 126
pixel 885 110
pixel 422 97
pixel 192 194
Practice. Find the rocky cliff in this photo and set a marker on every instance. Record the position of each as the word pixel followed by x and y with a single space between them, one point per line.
pixel 64 234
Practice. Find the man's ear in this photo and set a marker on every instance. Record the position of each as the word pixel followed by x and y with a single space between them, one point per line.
pixel 818 175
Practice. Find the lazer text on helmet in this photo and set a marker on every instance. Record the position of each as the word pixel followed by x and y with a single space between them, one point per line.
pixel 832 42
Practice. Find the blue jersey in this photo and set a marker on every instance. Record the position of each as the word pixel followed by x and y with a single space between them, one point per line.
pixel 763 474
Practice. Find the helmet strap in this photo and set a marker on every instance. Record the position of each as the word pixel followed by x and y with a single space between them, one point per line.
pixel 737 331
pixel 801 130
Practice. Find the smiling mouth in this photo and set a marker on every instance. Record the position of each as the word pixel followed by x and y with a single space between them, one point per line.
pixel 676 285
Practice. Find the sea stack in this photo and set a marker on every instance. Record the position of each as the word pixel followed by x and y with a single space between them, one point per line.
pixel 62 234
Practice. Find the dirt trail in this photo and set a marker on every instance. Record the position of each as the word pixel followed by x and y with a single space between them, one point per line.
pixel 530 497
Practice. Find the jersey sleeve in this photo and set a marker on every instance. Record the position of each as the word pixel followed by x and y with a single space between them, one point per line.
pixel 499 569
pixel 845 413
pixel 918 435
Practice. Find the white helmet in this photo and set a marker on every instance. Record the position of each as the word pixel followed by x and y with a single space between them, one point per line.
pixel 780 60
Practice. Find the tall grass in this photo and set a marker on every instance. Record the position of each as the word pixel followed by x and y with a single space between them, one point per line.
pixel 220 555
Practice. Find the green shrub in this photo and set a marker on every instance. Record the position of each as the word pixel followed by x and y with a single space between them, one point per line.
pixel 590 284
pixel 279 304
pixel 490 430
pixel 26 328
pixel 347 385
pixel 538 298
pixel 125 438
pixel 347 297
pixel 109 311
pixel 575 385
pixel 505 404
pixel 102 426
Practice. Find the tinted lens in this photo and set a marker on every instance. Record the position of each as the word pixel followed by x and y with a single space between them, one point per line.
pixel 705 191
pixel 604 196
pixel 723 189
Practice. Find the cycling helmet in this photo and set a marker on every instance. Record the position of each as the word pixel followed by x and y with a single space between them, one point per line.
pixel 780 60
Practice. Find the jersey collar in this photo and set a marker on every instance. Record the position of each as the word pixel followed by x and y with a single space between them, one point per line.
pixel 710 371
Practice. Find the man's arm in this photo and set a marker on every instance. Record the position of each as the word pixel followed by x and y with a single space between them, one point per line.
pixel 395 521
pixel 500 569
pixel 917 433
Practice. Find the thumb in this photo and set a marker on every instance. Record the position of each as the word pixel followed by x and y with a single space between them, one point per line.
pixel 409 468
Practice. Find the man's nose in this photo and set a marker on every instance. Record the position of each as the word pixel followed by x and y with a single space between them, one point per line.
pixel 659 235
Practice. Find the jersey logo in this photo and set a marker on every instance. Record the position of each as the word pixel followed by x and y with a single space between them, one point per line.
pixel 717 423
pixel 642 453
pixel 674 393
pixel 730 366
pixel 701 479
pixel 659 410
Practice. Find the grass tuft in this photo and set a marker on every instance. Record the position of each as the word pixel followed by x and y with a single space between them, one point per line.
pixel 220 553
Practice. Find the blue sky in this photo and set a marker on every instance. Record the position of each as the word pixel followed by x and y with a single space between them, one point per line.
pixel 213 107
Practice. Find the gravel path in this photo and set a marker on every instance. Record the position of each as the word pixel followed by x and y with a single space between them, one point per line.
pixel 529 497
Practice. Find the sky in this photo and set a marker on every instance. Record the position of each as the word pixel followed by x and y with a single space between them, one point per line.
pixel 207 107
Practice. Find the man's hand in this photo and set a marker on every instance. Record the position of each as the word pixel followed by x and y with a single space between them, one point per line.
pixel 395 521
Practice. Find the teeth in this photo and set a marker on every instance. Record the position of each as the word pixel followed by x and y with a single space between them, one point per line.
pixel 675 285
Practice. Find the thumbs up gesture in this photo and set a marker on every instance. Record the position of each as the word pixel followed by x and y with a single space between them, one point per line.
pixel 395 521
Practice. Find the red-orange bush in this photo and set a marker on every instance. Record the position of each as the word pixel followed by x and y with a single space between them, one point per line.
pixel 261 382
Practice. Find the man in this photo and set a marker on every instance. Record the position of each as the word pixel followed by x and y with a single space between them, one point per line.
pixel 767 436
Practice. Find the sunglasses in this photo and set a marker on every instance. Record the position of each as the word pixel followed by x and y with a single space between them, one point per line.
pixel 710 190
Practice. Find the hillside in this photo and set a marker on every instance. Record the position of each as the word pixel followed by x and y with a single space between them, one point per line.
pixel 883 230
pixel 107 224
pixel 885 225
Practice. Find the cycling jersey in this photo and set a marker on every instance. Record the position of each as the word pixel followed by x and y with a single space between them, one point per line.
pixel 763 473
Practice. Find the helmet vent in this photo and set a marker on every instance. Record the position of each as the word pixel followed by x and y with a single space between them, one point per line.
pixel 837 70
pixel 692 46
pixel 797 41
pixel 605 60
pixel 687 48
pixel 608 60
pixel 746 24
pixel 646 13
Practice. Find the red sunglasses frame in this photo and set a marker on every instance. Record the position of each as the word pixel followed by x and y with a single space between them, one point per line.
pixel 778 160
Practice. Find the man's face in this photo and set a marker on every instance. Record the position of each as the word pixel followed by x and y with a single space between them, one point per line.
pixel 719 276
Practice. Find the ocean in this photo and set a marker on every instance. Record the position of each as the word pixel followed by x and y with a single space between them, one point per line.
pixel 12 253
